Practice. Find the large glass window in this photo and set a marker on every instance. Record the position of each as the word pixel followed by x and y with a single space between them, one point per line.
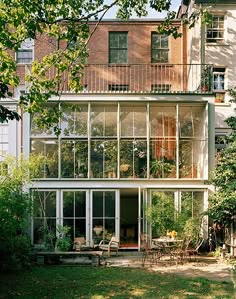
pixel 175 210
pixel 38 127
pixel 74 212
pixel 103 159
pixel 133 121
pixel 133 158
pixel 163 142
pixel 44 217
pixel 192 143
pixel 160 48
pixel 74 119
pixel 103 120
pixel 103 217
pixel 148 140
pixel 118 47
pixel 74 158
pixel 48 150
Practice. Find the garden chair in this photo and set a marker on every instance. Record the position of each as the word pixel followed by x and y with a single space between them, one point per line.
pixel 109 246
pixel 151 253
pixel 190 252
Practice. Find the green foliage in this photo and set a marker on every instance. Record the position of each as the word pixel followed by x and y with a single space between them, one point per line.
pixel 162 213
pixel 15 206
pixel 63 242
pixel 222 205
pixel 63 27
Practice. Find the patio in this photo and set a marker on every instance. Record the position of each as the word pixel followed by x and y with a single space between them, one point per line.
pixel 204 266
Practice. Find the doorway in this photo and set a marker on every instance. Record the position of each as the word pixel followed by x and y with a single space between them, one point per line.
pixel 129 218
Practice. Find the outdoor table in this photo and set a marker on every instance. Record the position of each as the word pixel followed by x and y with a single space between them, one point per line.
pixel 170 247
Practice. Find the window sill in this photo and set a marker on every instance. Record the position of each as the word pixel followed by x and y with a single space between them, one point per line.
pixel 217 44
pixel 119 65
pixel 222 104
pixel 155 64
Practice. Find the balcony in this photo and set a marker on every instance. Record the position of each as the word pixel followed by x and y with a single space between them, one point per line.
pixel 142 78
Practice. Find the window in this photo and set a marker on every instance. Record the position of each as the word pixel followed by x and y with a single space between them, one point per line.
pixel 161 87
pixel 118 47
pixel 118 87
pixel 25 52
pixel 3 141
pixel 215 30
pixel 219 79
pixel 220 141
pixel 159 48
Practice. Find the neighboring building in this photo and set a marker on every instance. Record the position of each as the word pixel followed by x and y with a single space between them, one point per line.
pixel 215 44
pixel 141 130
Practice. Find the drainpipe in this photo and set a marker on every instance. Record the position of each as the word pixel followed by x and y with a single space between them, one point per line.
pixel 202 41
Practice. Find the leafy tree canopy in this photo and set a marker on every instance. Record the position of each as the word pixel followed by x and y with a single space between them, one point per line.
pixel 223 201
pixel 59 20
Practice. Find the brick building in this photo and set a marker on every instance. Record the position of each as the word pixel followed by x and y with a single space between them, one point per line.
pixel 139 133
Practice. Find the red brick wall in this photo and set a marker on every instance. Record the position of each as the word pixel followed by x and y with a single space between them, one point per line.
pixel 139 74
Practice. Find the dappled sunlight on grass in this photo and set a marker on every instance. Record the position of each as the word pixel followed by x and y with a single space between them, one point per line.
pixel 105 283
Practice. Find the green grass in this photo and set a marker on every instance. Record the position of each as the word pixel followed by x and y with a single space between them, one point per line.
pixel 104 282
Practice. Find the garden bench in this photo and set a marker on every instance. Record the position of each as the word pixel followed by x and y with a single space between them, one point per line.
pixel 95 256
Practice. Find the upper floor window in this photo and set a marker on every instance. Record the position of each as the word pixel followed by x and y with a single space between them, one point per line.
pixel 118 47
pixel 160 48
pixel 25 53
pixel 219 79
pixel 215 30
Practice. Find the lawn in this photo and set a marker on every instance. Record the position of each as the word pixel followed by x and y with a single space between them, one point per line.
pixel 107 282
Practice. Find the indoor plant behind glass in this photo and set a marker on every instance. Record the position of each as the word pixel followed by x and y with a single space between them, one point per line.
pixel 63 242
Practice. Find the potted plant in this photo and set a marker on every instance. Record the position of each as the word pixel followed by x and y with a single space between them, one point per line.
pixel 206 78
pixel 63 242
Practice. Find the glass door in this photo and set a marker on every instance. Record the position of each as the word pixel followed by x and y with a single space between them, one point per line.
pixel 104 215
pixel 144 227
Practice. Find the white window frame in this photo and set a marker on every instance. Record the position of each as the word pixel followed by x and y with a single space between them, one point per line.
pixel 28 44
pixel 217 71
pixel 216 30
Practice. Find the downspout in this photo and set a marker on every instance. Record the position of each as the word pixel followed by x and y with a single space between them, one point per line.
pixel 202 41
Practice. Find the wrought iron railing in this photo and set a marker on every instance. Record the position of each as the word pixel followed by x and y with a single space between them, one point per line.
pixel 142 78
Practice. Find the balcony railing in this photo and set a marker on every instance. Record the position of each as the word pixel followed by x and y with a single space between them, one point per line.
pixel 142 78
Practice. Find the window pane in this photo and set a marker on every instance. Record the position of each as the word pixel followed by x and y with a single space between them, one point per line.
pixel 118 47
pixel 44 204
pixel 80 204
pixel 160 48
pixel 74 158
pixel 104 120
pixel 37 127
pixel 104 159
pixel 163 121
pixel 109 204
pixel 192 158
pixel 48 149
pixel 192 121
pixel 163 158
pixel 98 204
pixel 163 213
pixel 133 121
pixel 74 120
pixel 133 161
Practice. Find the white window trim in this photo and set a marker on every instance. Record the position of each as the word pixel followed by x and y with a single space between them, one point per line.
pixel 22 47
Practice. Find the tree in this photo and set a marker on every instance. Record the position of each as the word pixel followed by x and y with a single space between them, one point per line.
pixel 15 206
pixel 58 21
pixel 222 203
